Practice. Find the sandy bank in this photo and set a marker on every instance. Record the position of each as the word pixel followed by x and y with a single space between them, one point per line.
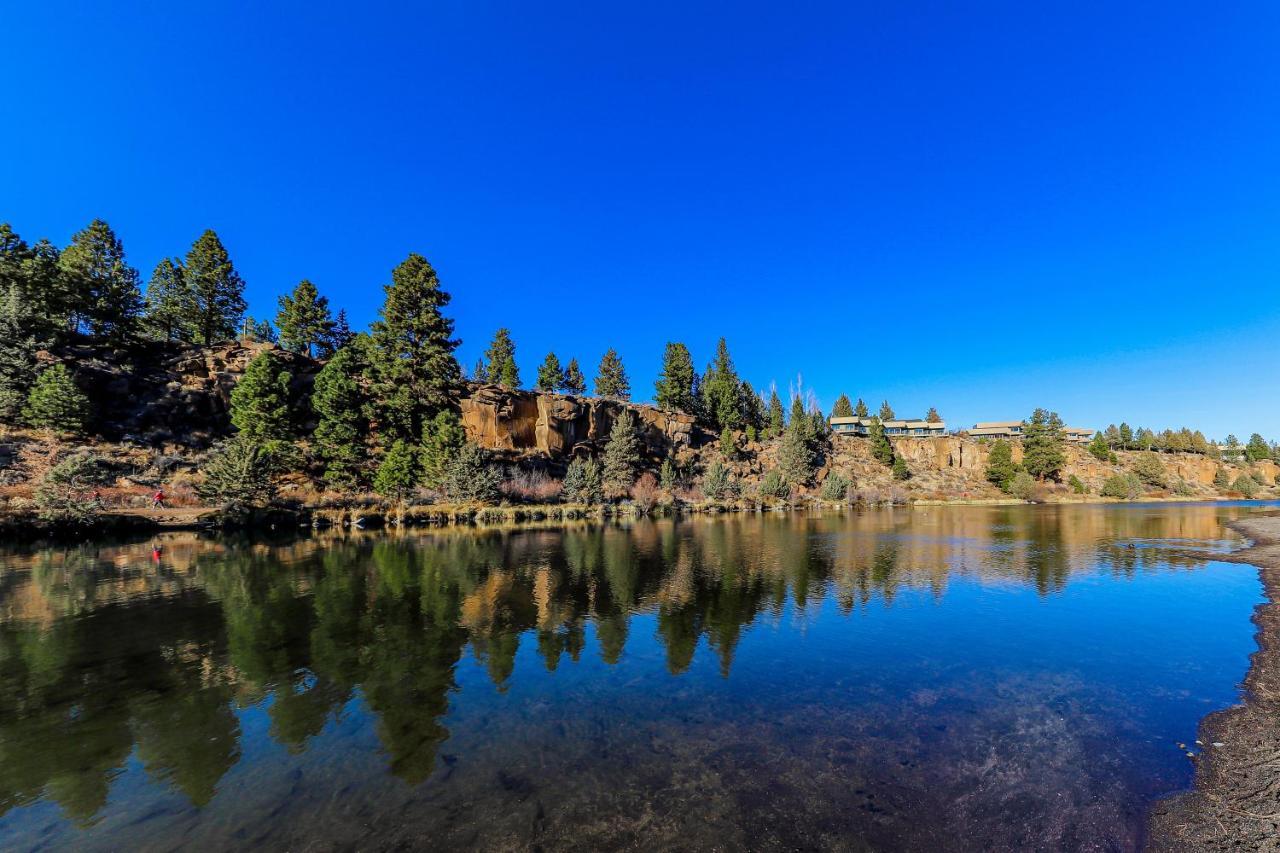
pixel 1236 801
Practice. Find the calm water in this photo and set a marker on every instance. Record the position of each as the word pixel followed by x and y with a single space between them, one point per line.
pixel 949 678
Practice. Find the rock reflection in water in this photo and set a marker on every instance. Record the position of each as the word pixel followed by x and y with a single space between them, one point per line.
pixel 902 688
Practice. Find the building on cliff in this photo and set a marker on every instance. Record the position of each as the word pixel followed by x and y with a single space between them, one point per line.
pixel 1013 429
pixel 901 428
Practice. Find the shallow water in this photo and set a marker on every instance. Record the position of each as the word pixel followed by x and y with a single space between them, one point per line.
pixel 941 678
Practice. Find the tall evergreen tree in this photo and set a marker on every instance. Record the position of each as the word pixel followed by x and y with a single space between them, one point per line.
pixel 886 411
pixel 611 378
pixel 754 416
pixel 1000 467
pixel 795 455
pixel 621 455
pixel 339 336
pixel 1042 443
pixel 412 356
pixel 398 472
pixel 1098 447
pixel 881 447
pixel 17 354
pixel 217 289
pixel 574 381
pixel 860 409
pixel 722 390
pixel 105 286
pixel 304 320
pixel 260 401
pixel 45 289
pixel 673 392
pixel 341 406
pixel 1257 449
pixel 56 403
pixel 170 304
pixel 1126 436
pixel 501 358
pixel 14 252
pixel 777 415
pixel 550 373
pixel 442 440
pixel 843 407
pixel 480 373
pixel 932 416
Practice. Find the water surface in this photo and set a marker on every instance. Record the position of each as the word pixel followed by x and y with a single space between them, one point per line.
pixel 942 678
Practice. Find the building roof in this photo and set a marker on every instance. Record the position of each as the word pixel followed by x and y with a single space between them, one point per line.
pixel 915 423
pixel 996 424
pixel 849 420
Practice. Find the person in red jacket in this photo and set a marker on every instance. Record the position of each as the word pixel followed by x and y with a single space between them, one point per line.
pixel 157 500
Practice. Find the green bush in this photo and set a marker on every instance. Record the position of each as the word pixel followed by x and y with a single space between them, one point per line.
pixel 55 403
pixel 1123 486
pixel 900 469
pixel 398 473
pixel 582 482
pixel 1150 470
pixel 65 492
pixel 715 481
pixel 774 485
pixel 1077 485
pixel 1245 485
pixel 835 487
pixel 471 475
pixel 1024 487
pixel 240 474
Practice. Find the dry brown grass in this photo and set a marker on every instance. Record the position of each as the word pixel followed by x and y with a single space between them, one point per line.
pixel 534 487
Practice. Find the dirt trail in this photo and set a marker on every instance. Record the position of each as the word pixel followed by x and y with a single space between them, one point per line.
pixel 165 517
pixel 1236 801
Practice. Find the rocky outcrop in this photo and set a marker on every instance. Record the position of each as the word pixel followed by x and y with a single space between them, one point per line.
pixel 559 425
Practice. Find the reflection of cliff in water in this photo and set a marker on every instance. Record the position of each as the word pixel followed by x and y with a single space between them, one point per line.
pixel 111 651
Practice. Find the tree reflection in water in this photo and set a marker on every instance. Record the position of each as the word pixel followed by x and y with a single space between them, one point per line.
pixel 106 653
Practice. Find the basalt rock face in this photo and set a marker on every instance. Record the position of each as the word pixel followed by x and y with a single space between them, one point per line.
pixel 560 426
pixel 170 395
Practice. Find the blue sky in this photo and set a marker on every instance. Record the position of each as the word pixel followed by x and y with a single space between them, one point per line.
pixel 980 207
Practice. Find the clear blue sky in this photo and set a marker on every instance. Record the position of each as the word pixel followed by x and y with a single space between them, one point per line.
pixel 983 207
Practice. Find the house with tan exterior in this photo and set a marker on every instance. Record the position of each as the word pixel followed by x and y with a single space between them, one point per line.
pixel 897 428
pixel 1013 429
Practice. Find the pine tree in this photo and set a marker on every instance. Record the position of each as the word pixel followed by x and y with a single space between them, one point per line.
pixel 105 286
pixel 843 407
pixel 341 406
pixel 412 358
pixel 471 476
pixel 339 336
pixel 668 475
pixel 900 469
pixel 777 415
pixel 1222 480
pixel 753 411
pixel 217 289
pixel 1000 467
pixel 258 331
pixel 14 252
pixel 673 392
pixel 795 455
pixel 1126 436
pixel 398 472
pixel 582 482
pixel 860 410
pixel 55 403
pixel 1098 447
pixel 886 411
pixel 550 374
pixel 442 440
pixel 170 304
pixel 881 447
pixel 239 475
pixel 501 358
pixel 1257 449
pixel 721 390
pixel 1042 453
pixel 621 455
pixel 728 445
pixel 1150 470
pixel 260 400
pixel 17 355
pixel 611 378
pixel 574 381
pixel 480 373
pixel 46 288
pixel 303 320
pixel 933 417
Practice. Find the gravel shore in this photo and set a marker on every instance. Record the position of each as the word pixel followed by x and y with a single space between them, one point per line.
pixel 1236 801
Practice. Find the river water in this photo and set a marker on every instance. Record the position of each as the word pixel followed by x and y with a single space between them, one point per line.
pixel 924 679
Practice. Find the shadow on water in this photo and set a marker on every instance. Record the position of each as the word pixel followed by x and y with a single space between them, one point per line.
pixel 882 678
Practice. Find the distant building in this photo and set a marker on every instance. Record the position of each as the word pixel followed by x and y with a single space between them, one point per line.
pixel 1013 429
pixel 895 428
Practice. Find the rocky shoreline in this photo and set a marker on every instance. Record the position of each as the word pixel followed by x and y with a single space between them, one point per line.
pixel 1235 804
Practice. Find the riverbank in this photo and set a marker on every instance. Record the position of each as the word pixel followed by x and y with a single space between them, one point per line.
pixel 1236 801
